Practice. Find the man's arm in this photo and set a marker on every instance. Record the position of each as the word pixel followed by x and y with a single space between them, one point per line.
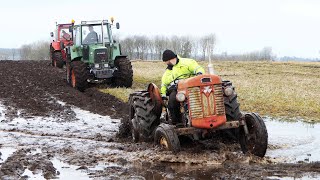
pixel 164 84
pixel 194 67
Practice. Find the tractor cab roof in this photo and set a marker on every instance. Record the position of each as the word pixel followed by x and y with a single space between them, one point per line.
pixel 94 22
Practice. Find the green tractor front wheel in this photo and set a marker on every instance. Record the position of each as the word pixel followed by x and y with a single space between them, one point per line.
pixel 77 75
pixel 123 76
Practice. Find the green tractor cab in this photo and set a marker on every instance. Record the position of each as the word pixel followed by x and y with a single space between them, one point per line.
pixel 95 57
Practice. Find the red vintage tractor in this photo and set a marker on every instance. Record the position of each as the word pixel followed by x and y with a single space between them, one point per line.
pixel 207 105
pixel 62 39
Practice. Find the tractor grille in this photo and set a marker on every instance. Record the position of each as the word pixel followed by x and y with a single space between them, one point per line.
pixel 218 94
pixel 195 102
pixel 205 101
pixel 100 55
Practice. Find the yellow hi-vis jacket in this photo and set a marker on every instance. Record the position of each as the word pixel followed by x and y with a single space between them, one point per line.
pixel 185 68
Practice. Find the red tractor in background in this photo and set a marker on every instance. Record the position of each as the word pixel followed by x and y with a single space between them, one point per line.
pixel 62 39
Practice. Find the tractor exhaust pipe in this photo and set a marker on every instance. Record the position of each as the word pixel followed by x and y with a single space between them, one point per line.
pixel 210 65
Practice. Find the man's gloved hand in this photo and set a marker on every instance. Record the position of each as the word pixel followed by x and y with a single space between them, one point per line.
pixel 165 100
pixel 199 73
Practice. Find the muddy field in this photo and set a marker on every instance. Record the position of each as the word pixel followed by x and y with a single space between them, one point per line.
pixel 48 130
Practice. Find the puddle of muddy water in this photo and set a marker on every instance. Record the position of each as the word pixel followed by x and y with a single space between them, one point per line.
pixel 67 171
pixel 87 125
pixel 294 141
pixel 2 112
pixel 290 141
pixel 30 175
pixel 5 153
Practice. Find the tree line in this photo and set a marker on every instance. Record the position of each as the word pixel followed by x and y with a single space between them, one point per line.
pixel 149 48
pixel 35 51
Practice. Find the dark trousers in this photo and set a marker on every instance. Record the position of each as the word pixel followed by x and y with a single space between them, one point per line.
pixel 174 107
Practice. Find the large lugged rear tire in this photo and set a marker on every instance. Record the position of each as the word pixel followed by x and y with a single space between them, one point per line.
pixel 123 77
pixel 143 111
pixel 257 140
pixel 167 138
pixel 79 75
pixel 232 107
pixel 57 59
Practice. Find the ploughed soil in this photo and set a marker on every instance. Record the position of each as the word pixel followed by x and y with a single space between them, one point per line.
pixel 33 89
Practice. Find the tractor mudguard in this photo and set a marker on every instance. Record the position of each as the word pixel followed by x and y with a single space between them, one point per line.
pixel 56 46
pixel 156 97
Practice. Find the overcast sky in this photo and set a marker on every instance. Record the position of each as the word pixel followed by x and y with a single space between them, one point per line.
pixel 290 27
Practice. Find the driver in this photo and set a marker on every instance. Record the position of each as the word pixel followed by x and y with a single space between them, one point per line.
pixel 177 68
pixel 92 37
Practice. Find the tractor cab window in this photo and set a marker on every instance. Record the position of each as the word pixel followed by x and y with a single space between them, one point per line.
pixel 65 35
pixel 77 35
pixel 106 34
pixel 91 34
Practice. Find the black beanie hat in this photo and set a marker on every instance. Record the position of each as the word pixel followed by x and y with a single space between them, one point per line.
pixel 168 54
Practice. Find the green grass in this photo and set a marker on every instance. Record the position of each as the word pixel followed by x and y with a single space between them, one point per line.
pixel 276 89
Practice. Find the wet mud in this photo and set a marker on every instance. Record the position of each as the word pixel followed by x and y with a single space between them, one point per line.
pixel 49 130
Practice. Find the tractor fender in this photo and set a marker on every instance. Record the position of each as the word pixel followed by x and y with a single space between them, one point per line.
pixel 120 56
pixel 156 97
pixel 56 46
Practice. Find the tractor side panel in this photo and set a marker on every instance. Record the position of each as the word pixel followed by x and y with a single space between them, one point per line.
pixel 75 52
pixel 115 51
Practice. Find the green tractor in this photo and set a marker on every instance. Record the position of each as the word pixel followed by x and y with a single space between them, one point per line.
pixel 95 57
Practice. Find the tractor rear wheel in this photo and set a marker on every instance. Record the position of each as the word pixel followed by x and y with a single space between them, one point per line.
pixel 57 59
pixel 123 76
pixel 256 142
pixel 79 75
pixel 142 113
pixel 167 138
pixel 232 108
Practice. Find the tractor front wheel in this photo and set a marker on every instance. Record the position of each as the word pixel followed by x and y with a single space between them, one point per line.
pixel 123 76
pixel 167 138
pixel 79 75
pixel 57 59
pixel 256 141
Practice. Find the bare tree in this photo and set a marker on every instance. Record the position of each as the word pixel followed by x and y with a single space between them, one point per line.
pixel 195 48
pixel 175 44
pixel 25 52
pixel 127 47
pixel 13 51
pixel 186 46
pixel 160 43
pixel 266 54
pixel 207 43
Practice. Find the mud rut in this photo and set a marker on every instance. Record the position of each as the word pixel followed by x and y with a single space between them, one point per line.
pixel 32 89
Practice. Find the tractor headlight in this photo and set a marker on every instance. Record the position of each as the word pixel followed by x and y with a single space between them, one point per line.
pixel 228 91
pixel 180 97
pixel 96 65
pixel 106 65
